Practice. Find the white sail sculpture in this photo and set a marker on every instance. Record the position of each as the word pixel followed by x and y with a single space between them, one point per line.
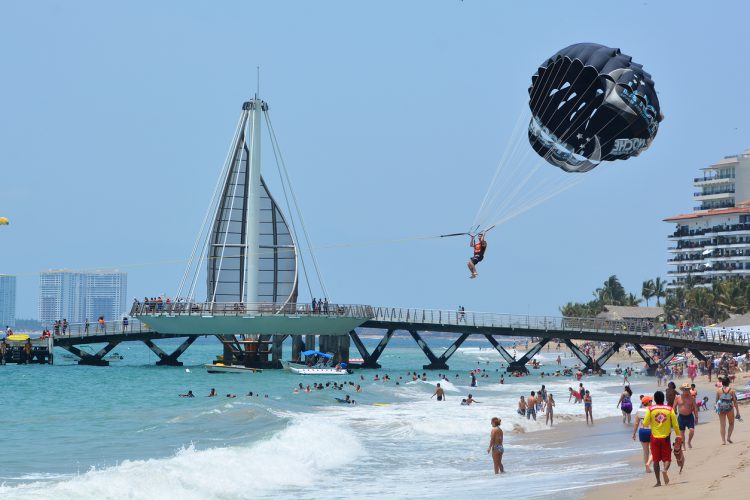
pixel 247 250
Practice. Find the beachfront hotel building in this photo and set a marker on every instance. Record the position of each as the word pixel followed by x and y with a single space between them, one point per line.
pixel 78 296
pixel 713 242
pixel 7 301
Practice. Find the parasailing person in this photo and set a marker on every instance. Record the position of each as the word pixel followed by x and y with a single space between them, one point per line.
pixel 480 246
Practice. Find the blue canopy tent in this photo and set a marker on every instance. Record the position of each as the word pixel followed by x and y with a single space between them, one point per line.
pixel 313 352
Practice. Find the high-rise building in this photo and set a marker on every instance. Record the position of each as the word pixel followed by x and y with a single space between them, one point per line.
pixel 713 242
pixel 78 296
pixel 7 301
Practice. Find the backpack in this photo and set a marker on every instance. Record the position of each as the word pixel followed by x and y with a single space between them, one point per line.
pixel 725 403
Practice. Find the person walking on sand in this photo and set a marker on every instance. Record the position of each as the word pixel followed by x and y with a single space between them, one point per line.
pixel 496 445
pixel 687 413
pixel 644 433
pixel 726 401
pixel 587 407
pixel 550 411
pixel 439 392
pixel 625 404
pixel 661 419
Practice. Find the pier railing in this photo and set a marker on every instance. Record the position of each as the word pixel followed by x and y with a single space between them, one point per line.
pixel 131 326
pixel 250 309
pixel 644 328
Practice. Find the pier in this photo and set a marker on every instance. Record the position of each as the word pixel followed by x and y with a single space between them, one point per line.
pixel 266 328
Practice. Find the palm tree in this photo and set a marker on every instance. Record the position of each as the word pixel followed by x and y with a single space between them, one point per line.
pixel 632 300
pixel 659 289
pixel 647 290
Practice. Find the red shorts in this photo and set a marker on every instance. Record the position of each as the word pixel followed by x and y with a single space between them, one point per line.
pixel 661 449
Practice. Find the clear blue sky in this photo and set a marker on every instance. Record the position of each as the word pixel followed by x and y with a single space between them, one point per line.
pixel 392 117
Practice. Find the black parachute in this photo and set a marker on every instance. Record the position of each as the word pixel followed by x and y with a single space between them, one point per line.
pixel 591 103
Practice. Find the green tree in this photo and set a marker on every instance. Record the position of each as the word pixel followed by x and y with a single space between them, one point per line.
pixel 647 290
pixel 659 289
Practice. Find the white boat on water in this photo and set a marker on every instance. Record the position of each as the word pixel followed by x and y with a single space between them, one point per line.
pixel 322 367
pixel 222 368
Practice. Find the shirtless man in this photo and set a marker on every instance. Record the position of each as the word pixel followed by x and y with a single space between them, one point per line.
pixel 687 413
pixel 531 407
pixel 521 406
pixel 439 392
pixel 496 445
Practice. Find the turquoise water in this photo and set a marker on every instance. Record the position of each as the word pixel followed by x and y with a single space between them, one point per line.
pixel 121 431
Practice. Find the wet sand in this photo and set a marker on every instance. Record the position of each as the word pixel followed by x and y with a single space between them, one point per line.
pixel 711 470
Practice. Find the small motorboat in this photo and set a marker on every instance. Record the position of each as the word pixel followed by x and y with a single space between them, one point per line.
pixel 222 368
pixel 320 366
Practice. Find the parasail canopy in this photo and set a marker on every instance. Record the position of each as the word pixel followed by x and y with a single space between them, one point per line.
pixel 4 221
pixel 591 103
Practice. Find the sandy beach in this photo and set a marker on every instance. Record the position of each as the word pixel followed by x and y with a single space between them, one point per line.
pixel 711 469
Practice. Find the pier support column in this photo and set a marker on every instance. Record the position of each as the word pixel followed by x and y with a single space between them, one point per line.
pixel 699 354
pixel 277 349
pixel 435 362
pixel 584 358
pixel 309 343
pixel 170 359
pixel 520 365
pixel 343 344
pixel 503 352
pixel 96 359
pixel 651 365
pixel 298 345
pixel 603 357
pixel 366 357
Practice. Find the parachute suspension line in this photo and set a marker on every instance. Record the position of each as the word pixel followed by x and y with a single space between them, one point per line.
pixel 511 142
pixel 512 177
pixel 288 206
pixel 219 182
pixel 296 206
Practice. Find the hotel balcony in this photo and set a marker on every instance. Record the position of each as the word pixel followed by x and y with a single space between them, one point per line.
pixel 712 180
pixel 738 229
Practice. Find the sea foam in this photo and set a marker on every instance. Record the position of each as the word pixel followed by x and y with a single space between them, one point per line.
pixel 297 456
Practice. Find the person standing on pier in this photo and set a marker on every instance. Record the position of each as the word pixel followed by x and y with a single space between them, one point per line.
pixel 3 350
pixel 86 327
pixel 662 420
pixel 496 445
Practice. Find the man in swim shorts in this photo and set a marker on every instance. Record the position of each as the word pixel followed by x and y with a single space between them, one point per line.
pixel 531 407
pixel 687 412
pixel 439 392
pixel 480 246
pixel 662 420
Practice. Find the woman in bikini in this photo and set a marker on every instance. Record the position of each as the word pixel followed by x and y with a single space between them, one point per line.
pixel 496 445
pixel 587 407
pixel 550 412
pixel 726 402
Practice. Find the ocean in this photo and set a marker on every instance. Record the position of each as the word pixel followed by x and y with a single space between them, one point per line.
pixel 121 431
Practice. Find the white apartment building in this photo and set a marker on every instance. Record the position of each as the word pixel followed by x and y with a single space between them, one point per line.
pixel 78 296
pixel 7 301
pixel 713 242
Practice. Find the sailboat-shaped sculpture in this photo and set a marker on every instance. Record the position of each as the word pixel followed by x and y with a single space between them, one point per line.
pixel 250 258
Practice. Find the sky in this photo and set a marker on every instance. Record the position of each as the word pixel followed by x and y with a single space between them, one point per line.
pixel 392 117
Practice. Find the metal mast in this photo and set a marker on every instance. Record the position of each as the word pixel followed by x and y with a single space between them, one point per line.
pixel 252 221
